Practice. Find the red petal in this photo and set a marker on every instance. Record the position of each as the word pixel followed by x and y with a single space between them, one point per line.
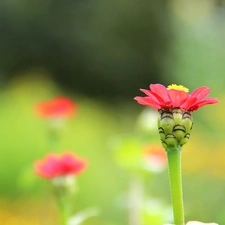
pixel 204 102
pixel 200 93
pixel 161 91
pixel 189 102
pixel 49 167
pixel 57 107
pixel 57 165
pixel 147 101
pixel 71 164
pixel 153 96
pixel 42 170
pixel 177 97
pixel 52 164
pixel 63 106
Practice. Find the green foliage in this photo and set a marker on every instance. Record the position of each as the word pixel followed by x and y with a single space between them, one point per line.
pixel 129 153
pixel 156 212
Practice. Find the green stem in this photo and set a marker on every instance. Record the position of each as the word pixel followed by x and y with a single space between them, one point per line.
pixel 64 208
pixel 135 200
pixel 174 163
pixel 64 215
pixel 53 139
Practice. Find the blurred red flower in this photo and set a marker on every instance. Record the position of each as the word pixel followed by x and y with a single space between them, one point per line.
pixel 155 156
pixel 175 96
pixel 57 107
pixel 54 165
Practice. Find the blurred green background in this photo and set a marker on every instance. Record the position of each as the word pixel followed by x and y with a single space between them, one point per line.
pixel 99 53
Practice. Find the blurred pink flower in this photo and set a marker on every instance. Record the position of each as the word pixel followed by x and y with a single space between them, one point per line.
pixel 57 107
pixel 54 165
pixel 155 156
pixel 175 96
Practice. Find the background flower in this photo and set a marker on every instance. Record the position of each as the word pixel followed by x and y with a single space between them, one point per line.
pixel 54 165
pixel 57 107
pixel 155 157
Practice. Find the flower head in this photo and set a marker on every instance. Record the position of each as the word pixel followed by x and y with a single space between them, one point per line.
pixel 55 165
pixel 160 97
pixel 155 157
pixel 175 107
pixel 59 107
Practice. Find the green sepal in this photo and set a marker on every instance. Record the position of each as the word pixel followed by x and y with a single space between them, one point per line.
pixel 174 127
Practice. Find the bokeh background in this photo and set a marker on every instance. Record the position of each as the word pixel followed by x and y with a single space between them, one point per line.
pixel 99 53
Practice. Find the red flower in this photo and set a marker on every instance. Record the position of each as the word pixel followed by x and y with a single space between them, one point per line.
pixel 155 156
pixel 160 97
pixel 63 164
pixel 57 107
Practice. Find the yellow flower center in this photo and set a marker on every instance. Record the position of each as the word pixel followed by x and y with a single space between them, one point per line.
pixel 177 87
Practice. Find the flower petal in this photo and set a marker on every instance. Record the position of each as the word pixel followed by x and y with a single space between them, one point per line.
pixel 46 168
pixel 204 102
pixel 72 164
pixel 161 91
pixel 58 107
pixel 200 93
pixel 57 165
pixel 147 101
pixel 154 96
pixel 189 102
pixel 177 97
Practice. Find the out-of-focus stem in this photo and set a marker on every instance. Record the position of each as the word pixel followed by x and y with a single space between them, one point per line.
pixel 54 138
pixel 135 200
pixel 64 208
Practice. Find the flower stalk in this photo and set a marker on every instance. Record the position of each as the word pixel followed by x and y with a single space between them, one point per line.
pixel 65 209
pixel 175 176
pixel 135 200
